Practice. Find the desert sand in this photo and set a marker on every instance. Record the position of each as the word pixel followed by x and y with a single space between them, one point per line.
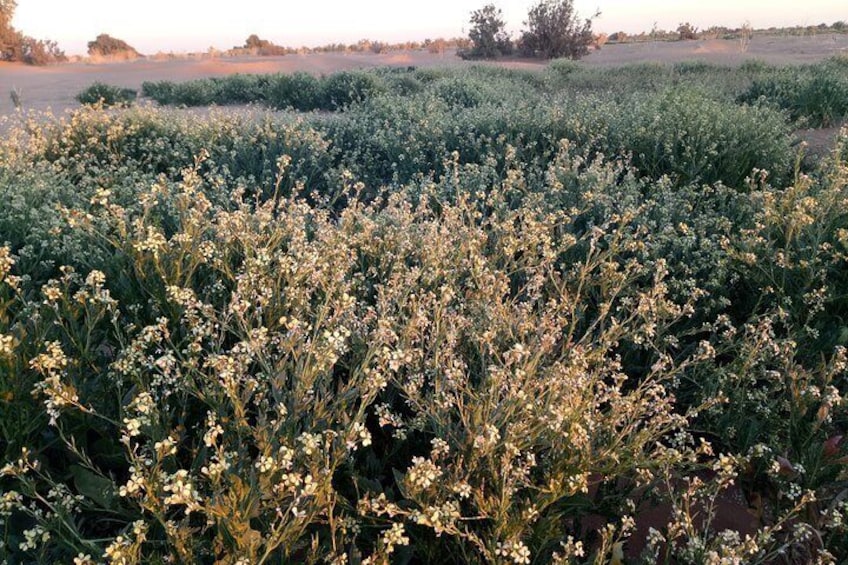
pixel 54 87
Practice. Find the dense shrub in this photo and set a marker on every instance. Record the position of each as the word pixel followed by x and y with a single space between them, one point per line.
pixel 345 88
pixel 536 324
pixel 107 95
pixel 241 89
pixel 105 45
pixel 299 90
pixel 694 138
pixel 815 95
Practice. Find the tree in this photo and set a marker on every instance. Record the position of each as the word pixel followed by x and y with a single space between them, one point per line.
pixel 554 30
pixel 15 46
pixel 9 38
pixel 7 10
pixel 488 37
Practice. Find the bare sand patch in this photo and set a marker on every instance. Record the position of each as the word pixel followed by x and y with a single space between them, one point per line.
pixel 776 50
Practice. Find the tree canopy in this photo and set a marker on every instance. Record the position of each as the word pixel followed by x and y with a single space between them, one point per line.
pixel 555 30
pixel 488 36
pixel 7 10
pixel 15 46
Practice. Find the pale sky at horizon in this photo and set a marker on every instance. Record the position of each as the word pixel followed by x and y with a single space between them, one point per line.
pixel 196 25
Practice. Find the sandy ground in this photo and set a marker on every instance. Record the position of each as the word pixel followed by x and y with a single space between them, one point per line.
pixel 54 87
pixel 777 50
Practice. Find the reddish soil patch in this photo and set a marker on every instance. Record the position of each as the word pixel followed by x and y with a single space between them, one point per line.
pixel 820 141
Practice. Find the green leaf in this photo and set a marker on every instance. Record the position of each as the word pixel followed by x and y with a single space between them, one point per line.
pixel 93 486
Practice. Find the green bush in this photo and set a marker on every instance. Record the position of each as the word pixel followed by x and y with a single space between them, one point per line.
pixel 813 95
pixel 161 91
pixel 241 89
pixel 694 138
pixel 345 88
pixel 563 67
pixel 108 95
pixel 300 91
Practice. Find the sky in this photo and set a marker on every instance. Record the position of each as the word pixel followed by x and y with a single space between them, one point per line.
pixel 196 25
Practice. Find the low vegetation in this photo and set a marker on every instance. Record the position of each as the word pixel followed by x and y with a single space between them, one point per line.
pixel 106 95
pixel 465 315
pixel 300 91
pixel 814 95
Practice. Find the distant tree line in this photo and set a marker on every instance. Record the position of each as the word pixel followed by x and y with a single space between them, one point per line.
pixel 686 31
pixel 15 46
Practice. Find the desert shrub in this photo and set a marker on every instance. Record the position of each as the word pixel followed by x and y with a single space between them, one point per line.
pixel 40 52
pixel 686 31
pixel 192 93
pixel 563 67
pixel 241 89
pixel 280 344
pixel 784 379
pixel 694 138
pixel 432 74
pixel 813 94
pixel 403 84
pixel 106 94
pixel 161 91
pixel 107 46
pixel 345 88
pixel 142 146
pixel 262 47
pixel 754 66
pixel 460 92
pixel 299 90
pixel 693 67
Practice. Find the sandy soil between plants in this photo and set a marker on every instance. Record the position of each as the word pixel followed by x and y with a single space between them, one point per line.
pixel 54 87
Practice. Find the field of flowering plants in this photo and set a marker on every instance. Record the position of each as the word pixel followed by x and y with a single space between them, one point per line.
pixel 458 315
